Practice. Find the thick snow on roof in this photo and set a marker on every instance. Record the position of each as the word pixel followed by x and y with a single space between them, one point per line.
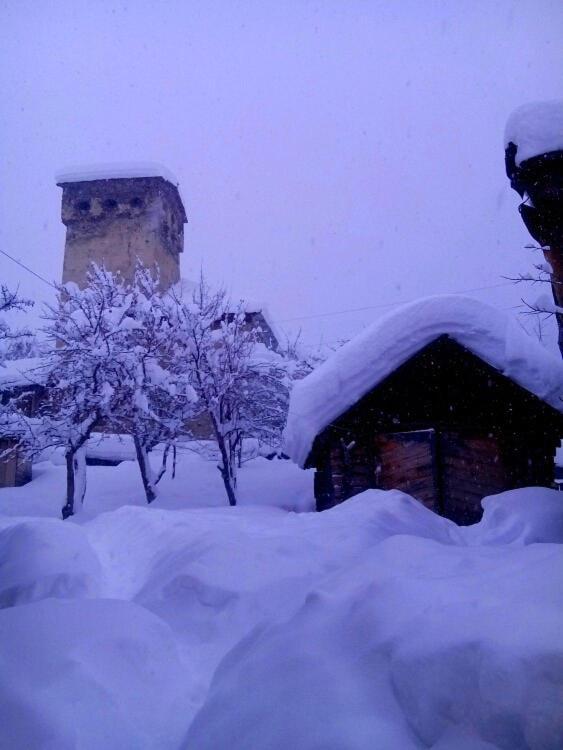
pixel 254 306
pixel 18 372
pixel 535 128
pixel 89 172
pixel 364 362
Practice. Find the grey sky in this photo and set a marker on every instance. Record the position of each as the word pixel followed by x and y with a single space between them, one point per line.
pixel 331 155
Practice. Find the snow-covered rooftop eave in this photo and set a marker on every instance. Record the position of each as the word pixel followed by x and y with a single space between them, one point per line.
pixel 113 171
pixel 535 129
pixel 363 363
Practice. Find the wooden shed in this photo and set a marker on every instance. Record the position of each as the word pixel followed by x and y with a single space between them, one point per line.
pixel 447 400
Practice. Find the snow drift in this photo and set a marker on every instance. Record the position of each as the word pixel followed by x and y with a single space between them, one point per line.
pixel 376 624
pixel 89 675
pixel 420 644
pixel 44 558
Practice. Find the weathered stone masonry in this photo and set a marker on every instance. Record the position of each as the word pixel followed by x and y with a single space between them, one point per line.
pixel 114 221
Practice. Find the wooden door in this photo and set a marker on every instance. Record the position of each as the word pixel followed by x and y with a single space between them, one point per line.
pixel 469 468
pixel 406 461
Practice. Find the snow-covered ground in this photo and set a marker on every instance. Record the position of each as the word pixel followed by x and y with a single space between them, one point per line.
pixel 191 625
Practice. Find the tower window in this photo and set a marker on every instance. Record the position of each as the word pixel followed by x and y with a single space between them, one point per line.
pixel 83 206
pixel 135 203
pixel 110 204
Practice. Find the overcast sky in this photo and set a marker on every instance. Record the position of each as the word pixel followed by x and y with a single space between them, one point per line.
pixel 331 155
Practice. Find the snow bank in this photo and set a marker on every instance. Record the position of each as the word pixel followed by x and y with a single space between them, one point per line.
pixel 360 365
pixel 535 128
pixel 418 645
pixel 42 558
pixel 89 674
pixel 525 516
pixel 376 624
pixel 89 172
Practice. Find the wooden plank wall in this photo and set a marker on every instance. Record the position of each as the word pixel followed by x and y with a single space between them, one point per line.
pixel 491 435
pixel 406 462
pixel 470 467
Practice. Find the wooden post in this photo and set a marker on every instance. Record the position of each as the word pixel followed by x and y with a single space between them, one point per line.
pixel 554 256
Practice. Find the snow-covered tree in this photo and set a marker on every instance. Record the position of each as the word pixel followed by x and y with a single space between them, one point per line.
pixel 10 421
pixel 24 345
pixel 84 370
pixel 10 301
pixel 241 386
pixel 302 359
pixel 158 395
pixel 108 369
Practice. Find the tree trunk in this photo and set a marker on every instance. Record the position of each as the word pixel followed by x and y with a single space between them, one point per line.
pixel 228 467
pixel 554 256
pixel 75 478
pixel 228 482
pixel 145 468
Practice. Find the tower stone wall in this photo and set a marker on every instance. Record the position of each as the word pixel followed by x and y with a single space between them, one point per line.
pixel 116 220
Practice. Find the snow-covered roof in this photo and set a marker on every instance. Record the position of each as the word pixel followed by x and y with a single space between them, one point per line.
pixel 89 172
pixel 186 287
pixel 251 306
pixel 18 372
pixel 367 360
pixel 535 128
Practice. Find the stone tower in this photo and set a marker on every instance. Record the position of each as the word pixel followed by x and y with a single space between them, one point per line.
pixel 114 219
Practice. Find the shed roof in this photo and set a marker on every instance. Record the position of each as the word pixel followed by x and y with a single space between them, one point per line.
pixel 363 363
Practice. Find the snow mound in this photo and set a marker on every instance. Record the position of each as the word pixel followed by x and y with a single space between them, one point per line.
pixel 525 516
pixel 535 128
pixel 364 362
pixel 42 558
pixel 385 513
pixel 410 648
pixel 106 446
pixel 89 172
pixel 91 674
pixel 376 624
